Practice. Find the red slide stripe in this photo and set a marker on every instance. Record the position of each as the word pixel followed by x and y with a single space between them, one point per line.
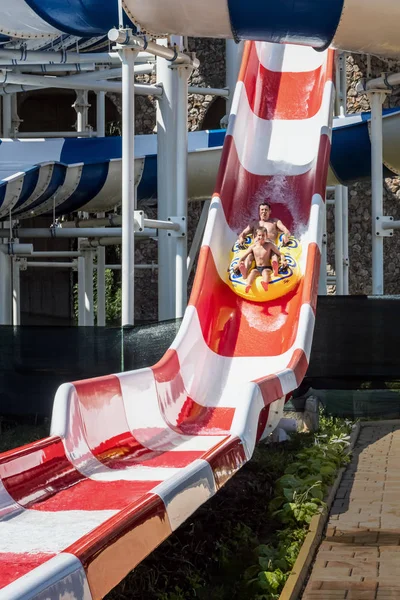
pixel 281 95
pixel 13 566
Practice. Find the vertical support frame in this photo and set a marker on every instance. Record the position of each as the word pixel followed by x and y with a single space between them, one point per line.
pixel 376 99
pixel 16 292
pixel 5 286
pixel 101 114
pixel 322 282
pixel 127 56
pixel 339 239
pixel 166 184
pixel 181 165
pixel 7 116
pixel 89 304
pixel 81 291
pixel 101 286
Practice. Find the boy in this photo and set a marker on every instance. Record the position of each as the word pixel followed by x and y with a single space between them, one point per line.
pixel 262 250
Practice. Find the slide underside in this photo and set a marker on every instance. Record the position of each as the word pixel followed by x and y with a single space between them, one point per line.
pixel 132 455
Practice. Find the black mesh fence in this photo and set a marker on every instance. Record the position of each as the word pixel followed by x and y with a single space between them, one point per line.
pixel 34 361
pixel 355 347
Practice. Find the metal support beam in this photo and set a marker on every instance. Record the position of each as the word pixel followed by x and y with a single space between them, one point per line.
pixel 89 296
pixel 101 114
pixel 81 291
pixel 233 59
pixel 101 286
pixel 128 187
pixel 166 184
pixel 81 106
pixel 5 287
pixel 339 239
pixel 376 100
pixel 322 291
pixel 181 166
pixel 16 292
pixel 7 116
pixel 345 226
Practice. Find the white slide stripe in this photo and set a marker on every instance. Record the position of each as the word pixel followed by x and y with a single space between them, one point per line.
pixel 30 152
pixel 188 17
pixel 287 58
pixel 19 20
pixel 60 572
pixel 148 426
pixel 277 147
pixel 13 192
pixel 218 236
pixel 245 421
pixel 225 374
pixel 315 223
pixel 47 532
pixel 185 492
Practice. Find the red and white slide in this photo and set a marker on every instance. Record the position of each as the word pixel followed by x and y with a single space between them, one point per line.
pixel 132 455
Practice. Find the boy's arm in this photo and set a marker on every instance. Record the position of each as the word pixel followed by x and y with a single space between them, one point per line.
pixel 284 229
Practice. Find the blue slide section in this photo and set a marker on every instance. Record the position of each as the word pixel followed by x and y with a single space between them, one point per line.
pixel 286 21
pixel 351 147
pixel 84 18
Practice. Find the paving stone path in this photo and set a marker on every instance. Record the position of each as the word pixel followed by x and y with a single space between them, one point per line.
pixel 359 558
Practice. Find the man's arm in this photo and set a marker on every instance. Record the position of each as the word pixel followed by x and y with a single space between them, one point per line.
pixel 284 230
pixel 245 233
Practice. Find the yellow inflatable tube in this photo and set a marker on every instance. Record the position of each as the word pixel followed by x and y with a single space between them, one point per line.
pixel 285 282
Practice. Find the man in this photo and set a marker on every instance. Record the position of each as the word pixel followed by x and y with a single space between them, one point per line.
pixel 273 227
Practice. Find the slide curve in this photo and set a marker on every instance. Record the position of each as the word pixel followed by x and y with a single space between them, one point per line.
pixel 132 455
pixel 66 175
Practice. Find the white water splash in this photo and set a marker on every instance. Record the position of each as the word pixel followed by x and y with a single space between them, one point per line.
pixel 257 319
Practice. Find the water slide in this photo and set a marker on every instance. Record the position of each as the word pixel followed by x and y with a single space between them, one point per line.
pixel 132 455
pixel 85 174
pixel 66 175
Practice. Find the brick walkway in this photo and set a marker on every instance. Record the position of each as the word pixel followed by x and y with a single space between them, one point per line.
pixel 359 558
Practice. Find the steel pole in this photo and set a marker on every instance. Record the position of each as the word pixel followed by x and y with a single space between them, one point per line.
pixel 181 166
pixel 322 273
pixel 166 184
pixel 7 116
pixel 233 59
pixel 339 239
pixel 101 114
pixel 376 99
pixel 345 225
pixel 128 186
pixel 16 292
pixel 5 287
pixel 89 307
pixel 81 291
pixel 101 286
